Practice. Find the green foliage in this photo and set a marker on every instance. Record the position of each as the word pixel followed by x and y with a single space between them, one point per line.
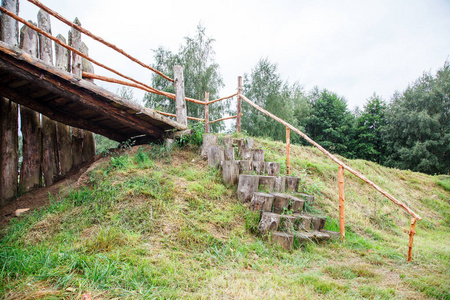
pixel 418 125
pixel 330 123
pixel 265 87
pixel 201 74
pixel 195 138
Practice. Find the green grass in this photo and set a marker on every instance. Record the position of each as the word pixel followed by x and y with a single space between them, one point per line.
pixel 156 223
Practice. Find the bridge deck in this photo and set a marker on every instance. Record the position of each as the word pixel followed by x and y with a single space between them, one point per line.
pixel 62 97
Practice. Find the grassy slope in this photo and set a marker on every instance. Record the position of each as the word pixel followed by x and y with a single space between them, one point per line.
pixel 152 225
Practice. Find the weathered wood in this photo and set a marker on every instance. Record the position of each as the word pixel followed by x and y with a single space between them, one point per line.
pixel 215 156
pixel 261 202
pixel 30 170
pixel 228 142
pixel 304 222
pixel 334 235
pixel 49 151
pixel 288 150
pixel 76 63
pixel 280 184
pixel 246 154
pixel 206 112
pixel 258 167
pixel 288 223
pixel 333 158
pixel 180 100
pixel 230 172
pixel 88 142
pixel 292 184
pixel 248 184
pixel 297 204
pixel 238 119
pixel 317 222
pixel 77 146
pixel 9 159
pixel 244 166
pixel 267 183
pixel 63 135
pixel 412 231
pixel 280 203
pixel 306 197
pixel 269 222
pixel 285 240
pixel 341 202
pixel 229 153
pixel 208 141
pixel 258 155
pixel 272 168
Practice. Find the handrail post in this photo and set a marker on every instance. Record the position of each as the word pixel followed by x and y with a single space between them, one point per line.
pixel 412 231
pixel 288 150
pixel 341 202
pixel 238 119
pixel 180 99
pixel 206 112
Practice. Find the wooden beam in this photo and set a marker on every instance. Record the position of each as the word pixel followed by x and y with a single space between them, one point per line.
pixel 180 101
pixel 206 112
pixel 238 120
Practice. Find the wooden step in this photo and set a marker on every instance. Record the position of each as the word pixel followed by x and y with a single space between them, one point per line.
pixel 306 197
pixel 269 222
pixel 208 141
pixel 312 236
pixel 285 240
pixel 261 202
pixel 248 184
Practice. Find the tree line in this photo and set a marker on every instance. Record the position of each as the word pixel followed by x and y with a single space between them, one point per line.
pixel 409 131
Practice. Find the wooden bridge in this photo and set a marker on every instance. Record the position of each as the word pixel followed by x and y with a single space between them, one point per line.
pixel 62 97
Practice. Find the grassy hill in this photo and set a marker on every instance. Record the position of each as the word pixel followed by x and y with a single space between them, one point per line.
pixel 152 223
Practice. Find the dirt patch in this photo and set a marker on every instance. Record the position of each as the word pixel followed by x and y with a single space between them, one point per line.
pixel 40 197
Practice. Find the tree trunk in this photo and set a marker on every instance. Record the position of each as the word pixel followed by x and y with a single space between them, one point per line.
pixel 208 141
pixel 30 171
pixel 292 184
pixel 180 99
pixel 9 146
pixel 88 142
pixel 77 146
pixel 285 240
pixel 261 202
pixel 280 203
pixel 248 184
pixel 230 172
pixel 64 137
pixel 215 156
pixel 267 183
pixel 269 222
pixel 49 153
pixel 272 168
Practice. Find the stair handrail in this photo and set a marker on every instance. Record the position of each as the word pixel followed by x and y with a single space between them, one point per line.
pixel 342 166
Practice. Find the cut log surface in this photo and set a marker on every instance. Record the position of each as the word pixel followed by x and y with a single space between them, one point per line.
pixel 285 240
pixel 280 203
pixel 267 183
pixel 269 222
pixel 292 184
pixel 272 168
pixel 280 184
pixel 208 141
pixel 244 166
pixel 334 235
pixel 258 167
pixel 306 197
pixel 262 202
pixel 248 184
pixel 215 156
pixel 230 172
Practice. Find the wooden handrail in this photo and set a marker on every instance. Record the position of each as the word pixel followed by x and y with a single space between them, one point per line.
pixel 335 159
pixel 97 38
pixel 173 115
pixel 220 99
pixel 223 119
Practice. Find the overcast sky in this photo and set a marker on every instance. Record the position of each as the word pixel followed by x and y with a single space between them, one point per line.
pixel 353 48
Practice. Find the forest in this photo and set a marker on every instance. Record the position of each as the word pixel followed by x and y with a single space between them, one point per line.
pixel 411 130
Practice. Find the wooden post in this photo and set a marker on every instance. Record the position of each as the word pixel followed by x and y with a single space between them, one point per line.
pixel 288 150
pixel 88 141
pixel 412 231
pixel 63 136
pixel 206 112
pixel 9 140
pixel 341 202
pixel 238 119
pixel 180 99
pixel 30 170
pixel 49 153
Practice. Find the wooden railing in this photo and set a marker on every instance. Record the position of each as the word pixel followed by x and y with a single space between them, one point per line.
pixel 182 117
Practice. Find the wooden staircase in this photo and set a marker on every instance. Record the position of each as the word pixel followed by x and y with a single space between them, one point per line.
pixel 261 186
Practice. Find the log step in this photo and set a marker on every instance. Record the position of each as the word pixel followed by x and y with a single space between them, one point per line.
pixel 285 240
pixel 312 236
pixel 261 202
